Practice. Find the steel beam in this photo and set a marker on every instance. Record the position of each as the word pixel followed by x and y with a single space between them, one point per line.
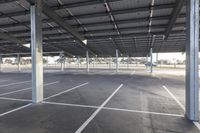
pixel 192 57
pixel 12 38
pixel 79 4
pixel 60 21
pixel 98 14
pixel 107 36
pixel 36 47
pixel 51 14
pixel 132 28
pixel 172 21
pixel 124 21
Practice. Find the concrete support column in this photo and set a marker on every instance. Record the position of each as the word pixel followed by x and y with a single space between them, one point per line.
pixel 94 62
pixel 62 66
pixel 36 51
pixel 18 62
pixel 117 60
pixel 128 62
pixel 156 57
pixel 147 60
pixel 192 54
pixel 1 61
pixel 62 61
pixel 110 61
pixel 151 60
pixel 78 61
pixel 87 61
pixel 47 61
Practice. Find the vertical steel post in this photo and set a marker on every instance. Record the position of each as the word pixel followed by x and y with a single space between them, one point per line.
pixel 78 61
pixel 36 51
pixel 62 67
pixel 1 61
pixel 110 61
pixel 128 62
pixel 156 57
pixel 192 64
pixel 147 61
pixel 117 60
pixel 147 58
pixel 151 60
pixel 18 62
pixel 93 62
pixel 87 61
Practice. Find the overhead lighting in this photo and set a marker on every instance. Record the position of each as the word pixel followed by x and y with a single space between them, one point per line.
pixel 28 45
pixel 85 42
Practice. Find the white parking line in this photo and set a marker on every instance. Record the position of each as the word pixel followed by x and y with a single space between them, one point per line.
pixel 133 72
pixel 177 101
pixel 180 104
pixel 3 94
pixel 15 99
pixel 82 127
pixel 68 90
pixel 71 105
pixel 143 112
pixel 14 110
pixel 113 109
pixel 15 83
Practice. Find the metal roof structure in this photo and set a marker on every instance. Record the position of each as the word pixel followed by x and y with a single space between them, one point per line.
pixel 131 26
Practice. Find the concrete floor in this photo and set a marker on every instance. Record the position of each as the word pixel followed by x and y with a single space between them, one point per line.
pixel 99 102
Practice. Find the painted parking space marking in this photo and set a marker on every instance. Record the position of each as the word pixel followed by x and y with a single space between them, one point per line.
pixel 82 127
pixel 68 90
pixel 180 104
pixel 7 93
pixel 14 110
pixel 16 83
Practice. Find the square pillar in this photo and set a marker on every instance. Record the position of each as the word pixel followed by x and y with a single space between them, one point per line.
pixel 127 62
pixel 117 60
pixel 110 61
pixel 62 61
pixel 94 62
pixel 1 61
pixel 36 51
pixel 87 61
pixel 62 66
pixel 151 60
pixel 18 62
pixel 147 58
pixel 192 55
pixel 78 61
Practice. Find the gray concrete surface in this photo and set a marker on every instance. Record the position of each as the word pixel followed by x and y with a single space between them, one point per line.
pixel 141 105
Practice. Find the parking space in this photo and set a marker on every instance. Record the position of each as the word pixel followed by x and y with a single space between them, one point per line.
pixel 94 102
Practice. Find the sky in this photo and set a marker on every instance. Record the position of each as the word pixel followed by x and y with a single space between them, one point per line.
pixel 169 56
